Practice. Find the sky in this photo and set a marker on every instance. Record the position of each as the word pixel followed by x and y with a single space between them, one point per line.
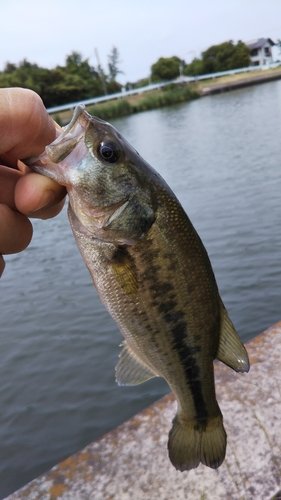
pixel 45 32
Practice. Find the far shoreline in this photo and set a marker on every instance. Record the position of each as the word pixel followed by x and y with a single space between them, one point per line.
pixel 173 94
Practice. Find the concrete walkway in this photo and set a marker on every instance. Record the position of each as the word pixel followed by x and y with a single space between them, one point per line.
pixel 132 462
pixel 217 88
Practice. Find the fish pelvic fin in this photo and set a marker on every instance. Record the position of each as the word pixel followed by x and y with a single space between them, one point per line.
pixel 191 442
pixel 231 351
pixel 130 369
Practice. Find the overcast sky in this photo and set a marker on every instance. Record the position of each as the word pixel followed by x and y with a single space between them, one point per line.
pixel 44 32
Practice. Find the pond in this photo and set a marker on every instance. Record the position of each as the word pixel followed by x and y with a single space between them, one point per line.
pixel 221 156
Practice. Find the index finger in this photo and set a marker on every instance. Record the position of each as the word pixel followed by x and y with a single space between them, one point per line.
pixel 8 180
pixel 25 126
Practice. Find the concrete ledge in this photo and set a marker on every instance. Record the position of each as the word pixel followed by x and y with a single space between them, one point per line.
pixel 217 88
pixel 131 462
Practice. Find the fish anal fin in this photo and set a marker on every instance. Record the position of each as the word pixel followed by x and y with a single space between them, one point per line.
pixel 130 369
pixel 231 350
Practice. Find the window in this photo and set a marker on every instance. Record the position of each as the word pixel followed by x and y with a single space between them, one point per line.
pixel 267 51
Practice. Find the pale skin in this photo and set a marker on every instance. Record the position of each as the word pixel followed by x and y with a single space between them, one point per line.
pixel 25 130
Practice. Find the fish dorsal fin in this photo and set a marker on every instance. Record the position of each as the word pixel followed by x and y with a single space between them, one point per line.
pixel 130 370
pixel 231 351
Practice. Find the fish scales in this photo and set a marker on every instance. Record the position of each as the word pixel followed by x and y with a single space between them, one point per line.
pixel 171 350
pixel 161 305
pixel 153 274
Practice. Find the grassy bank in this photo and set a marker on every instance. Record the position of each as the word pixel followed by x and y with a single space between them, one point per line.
pixel 238 77
pixel 165 96
pixel 171 94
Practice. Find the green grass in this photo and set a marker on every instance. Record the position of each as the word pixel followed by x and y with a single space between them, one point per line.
pixel 166 96
pixel 171 94
pixel 112 109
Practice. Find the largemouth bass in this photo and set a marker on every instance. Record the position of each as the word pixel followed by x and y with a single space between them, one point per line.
pixel 153 274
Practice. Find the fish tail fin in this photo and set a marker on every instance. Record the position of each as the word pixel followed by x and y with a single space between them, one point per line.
pixel 191 442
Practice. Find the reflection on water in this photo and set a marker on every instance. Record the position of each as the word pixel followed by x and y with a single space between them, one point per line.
pixel 59 347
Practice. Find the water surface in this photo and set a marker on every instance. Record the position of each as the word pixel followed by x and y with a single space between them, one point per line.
pixel 221 155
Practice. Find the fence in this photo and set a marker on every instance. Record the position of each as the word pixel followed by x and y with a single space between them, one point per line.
pixel 187 79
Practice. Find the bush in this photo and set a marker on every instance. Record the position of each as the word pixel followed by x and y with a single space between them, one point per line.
pixel 166 68
pixel 166 98
pixel 113 109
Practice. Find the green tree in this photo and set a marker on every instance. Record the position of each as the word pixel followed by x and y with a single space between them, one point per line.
pixel 240 57
pixel 113 63
pixel 74 61
pixel 26 75
pixel 75 81
pixel 196 67
pixel 226 56
pixel 70 87
pixel 112 85
pixel 166 68
pixel 76 64
pixel 222 57
pixel 9 68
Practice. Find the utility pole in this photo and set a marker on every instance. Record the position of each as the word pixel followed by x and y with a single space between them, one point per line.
pixel 101 72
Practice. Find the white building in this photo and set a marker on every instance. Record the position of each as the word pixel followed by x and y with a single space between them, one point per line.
pixel 261 53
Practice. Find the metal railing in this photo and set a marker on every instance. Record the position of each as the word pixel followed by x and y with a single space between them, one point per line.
pixel 140 90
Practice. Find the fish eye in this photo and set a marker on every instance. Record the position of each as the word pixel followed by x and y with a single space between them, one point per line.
pixel 108 151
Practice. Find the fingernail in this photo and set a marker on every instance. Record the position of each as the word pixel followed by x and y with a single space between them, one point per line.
pixel 47 199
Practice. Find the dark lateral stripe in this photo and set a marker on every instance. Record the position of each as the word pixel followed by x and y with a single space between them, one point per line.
pixel 164 299
pixel 191 369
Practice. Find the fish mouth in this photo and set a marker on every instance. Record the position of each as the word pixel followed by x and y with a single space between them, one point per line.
pixel 68 148
pixel 58 168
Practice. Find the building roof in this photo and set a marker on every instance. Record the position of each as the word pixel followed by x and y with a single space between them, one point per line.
pixel 258 43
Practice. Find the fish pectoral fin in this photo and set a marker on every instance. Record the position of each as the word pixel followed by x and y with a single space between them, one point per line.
pixel 130 369
pixel 231 351
pixel 124 271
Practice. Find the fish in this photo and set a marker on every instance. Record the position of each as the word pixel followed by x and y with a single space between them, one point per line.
pixel 153 274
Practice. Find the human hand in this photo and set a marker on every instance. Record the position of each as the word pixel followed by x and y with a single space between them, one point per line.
pixel 25 130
